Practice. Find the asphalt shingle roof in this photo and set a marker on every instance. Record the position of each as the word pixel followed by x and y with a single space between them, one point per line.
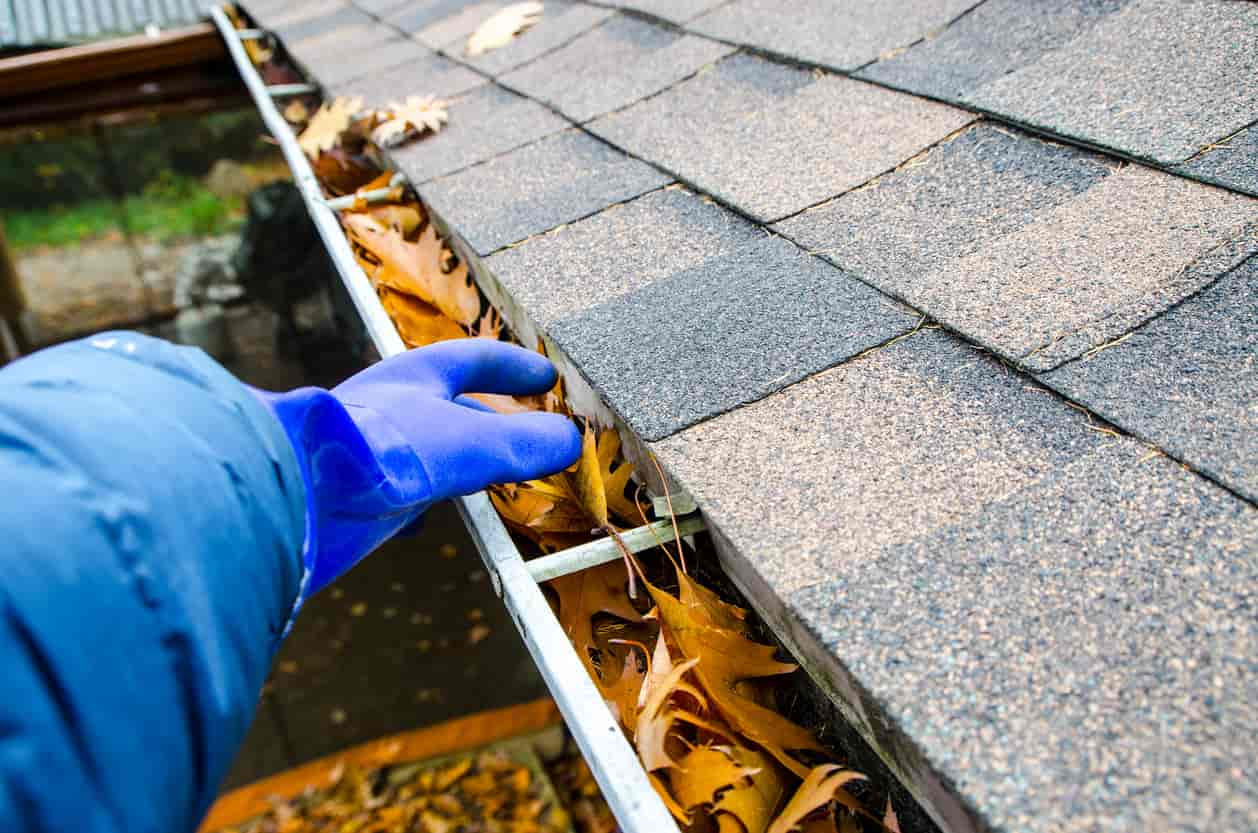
pixel 762 136
pixel 621 61
pixel 1186 381
pixel 398 62
pixel 838 35
pixel 559 179
pixel 1037 251
pixel 970 410
pixel 1134 83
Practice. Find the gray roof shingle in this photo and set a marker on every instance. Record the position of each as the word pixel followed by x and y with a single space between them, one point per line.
pixel 1131 82
pixel 439 22
pixel 1037 251
pixel 613 65
pixel 1187 381
pixel 796 138
pixel 406 69
pixel 993 40
pixel 677 11
pixel 557 180
pixel 843 36
pixel 486 122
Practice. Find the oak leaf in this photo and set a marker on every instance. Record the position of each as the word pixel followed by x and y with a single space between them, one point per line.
pixel 413 117
pixel 501 403
pixel 414 268
pixel 622 692
pixel 343 172
pixel 729 658
pixel 584 595
pixel 561 523
pixel 327 124
pixel 889 820
pixel 821 786
pixel 704 773
pixel 404 219
pixel 296 112
pixel 499 30
pixel 587 481
pixel 754 802
pixel 418 323
pixel 656 718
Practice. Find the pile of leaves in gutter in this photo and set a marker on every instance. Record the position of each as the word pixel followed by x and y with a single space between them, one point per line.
pixel 679 667
pixel 486 793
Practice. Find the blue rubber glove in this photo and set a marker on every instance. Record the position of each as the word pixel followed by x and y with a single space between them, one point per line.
pixel 383 446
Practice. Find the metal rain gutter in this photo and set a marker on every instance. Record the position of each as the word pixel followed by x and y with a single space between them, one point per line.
pixel 611 759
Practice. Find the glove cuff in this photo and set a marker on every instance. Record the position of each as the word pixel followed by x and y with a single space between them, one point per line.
pixel 363 482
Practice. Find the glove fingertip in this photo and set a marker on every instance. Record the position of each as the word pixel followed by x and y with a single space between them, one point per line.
pixel 555 439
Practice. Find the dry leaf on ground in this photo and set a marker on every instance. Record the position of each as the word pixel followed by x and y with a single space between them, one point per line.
pixel 413 117
pixel 327 125
pixel 499 30
pixel 488 791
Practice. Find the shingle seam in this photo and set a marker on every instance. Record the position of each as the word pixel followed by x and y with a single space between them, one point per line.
pixel 924 323
pixel 494 157
pixel 1218 143
pixel 929 36
pixel 970 125
pixel 1244 254
pixel 552 229
pixel 1142 438
pixel 1204 288
pixel 663 22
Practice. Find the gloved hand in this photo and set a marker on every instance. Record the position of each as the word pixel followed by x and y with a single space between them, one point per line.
pixel 380 448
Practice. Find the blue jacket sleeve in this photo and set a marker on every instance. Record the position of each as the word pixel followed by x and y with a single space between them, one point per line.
pixel 152 516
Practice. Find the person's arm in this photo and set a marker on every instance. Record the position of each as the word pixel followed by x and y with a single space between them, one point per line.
pixel 159 523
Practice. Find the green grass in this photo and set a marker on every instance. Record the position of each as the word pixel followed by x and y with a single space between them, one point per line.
pixel 169 207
